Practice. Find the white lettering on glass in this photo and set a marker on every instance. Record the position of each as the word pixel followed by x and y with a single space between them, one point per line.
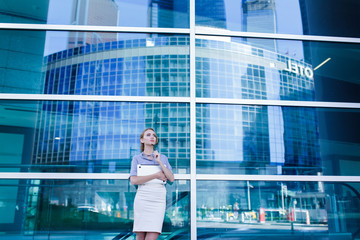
pixel 299 69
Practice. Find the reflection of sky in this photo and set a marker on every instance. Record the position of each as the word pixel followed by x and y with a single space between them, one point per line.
pixel 134 13
pixel 59 13
pixel 289 21
pixel 233 12
pixel 288 17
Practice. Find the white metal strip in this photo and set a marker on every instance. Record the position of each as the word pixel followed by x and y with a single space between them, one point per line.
pixel 222 32
pixel 278 103
pixel 193 189
pixel 201 177
pixel 280 178
pixel 55 97
pixel 76 176
pixel 88 28
pixel 199 31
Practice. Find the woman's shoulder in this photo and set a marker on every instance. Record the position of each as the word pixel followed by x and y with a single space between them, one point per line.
pixel 137 156
pixel 162 156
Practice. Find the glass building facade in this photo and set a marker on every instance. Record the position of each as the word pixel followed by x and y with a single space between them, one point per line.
pixel 256 104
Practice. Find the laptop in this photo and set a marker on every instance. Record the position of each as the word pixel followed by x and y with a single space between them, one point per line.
pixel 147 169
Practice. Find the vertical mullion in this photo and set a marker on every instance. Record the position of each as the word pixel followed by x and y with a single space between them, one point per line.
pixel 193 225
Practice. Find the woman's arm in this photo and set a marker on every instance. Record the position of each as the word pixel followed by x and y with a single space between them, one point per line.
pixel 136 180
pixel 169 175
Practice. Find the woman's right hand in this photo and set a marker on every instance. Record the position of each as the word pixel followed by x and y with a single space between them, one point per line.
pixel 136 180
pixel 160 175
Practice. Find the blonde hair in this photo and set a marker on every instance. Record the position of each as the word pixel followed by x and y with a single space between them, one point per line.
pixel 142 136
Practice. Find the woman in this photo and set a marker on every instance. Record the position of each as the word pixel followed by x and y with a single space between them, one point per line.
pixel 150 199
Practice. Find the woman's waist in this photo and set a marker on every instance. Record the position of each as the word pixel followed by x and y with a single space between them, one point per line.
pixel 152 186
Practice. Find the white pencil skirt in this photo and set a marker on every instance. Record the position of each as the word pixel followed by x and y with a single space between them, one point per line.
pixel 149 208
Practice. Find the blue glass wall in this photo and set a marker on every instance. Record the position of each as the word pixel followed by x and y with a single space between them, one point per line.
pixel 274 151
pixel 97 128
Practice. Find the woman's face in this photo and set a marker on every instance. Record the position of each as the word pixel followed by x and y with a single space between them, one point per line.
pixel 149 137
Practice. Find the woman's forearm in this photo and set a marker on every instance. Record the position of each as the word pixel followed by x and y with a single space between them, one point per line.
pixel 167 172
pixel 169 175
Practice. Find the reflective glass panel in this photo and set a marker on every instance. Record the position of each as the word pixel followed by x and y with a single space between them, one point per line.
pixel 64 136
pixel 90 63
pixel 235 139
pixel 277 210
pixel 83 209
pixel 251 68
pixel 125 13
pixel 322 17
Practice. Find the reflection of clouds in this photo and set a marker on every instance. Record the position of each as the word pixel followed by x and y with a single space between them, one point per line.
pixel 55 42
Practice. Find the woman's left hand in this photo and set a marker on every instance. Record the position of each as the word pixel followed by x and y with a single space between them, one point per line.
pixel 168 174
pixel 157 157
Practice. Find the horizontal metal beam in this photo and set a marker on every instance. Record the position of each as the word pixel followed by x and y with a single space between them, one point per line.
pixel 87 28
pixel 279 178
pixel 278 103
pixel 76 176
pixel 201 177
pixel 227 33
pixel 198 31
pixel 56 97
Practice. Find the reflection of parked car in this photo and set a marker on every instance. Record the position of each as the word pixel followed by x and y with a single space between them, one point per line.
pixel 86 213
pixel 87 208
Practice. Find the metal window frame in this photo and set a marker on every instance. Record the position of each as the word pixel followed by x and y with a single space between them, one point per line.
pixel 90 28
pixel 193 176
pixel 101 98
pixel 277 36
pixel 199 177
pixel 198 31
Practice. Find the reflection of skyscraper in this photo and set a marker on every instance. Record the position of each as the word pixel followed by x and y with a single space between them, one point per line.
pixel 82 132
pixel 95 12
pixel 244 72
pixel 264 135
pixel 210 13
pixel 170 13
pixel 259 16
